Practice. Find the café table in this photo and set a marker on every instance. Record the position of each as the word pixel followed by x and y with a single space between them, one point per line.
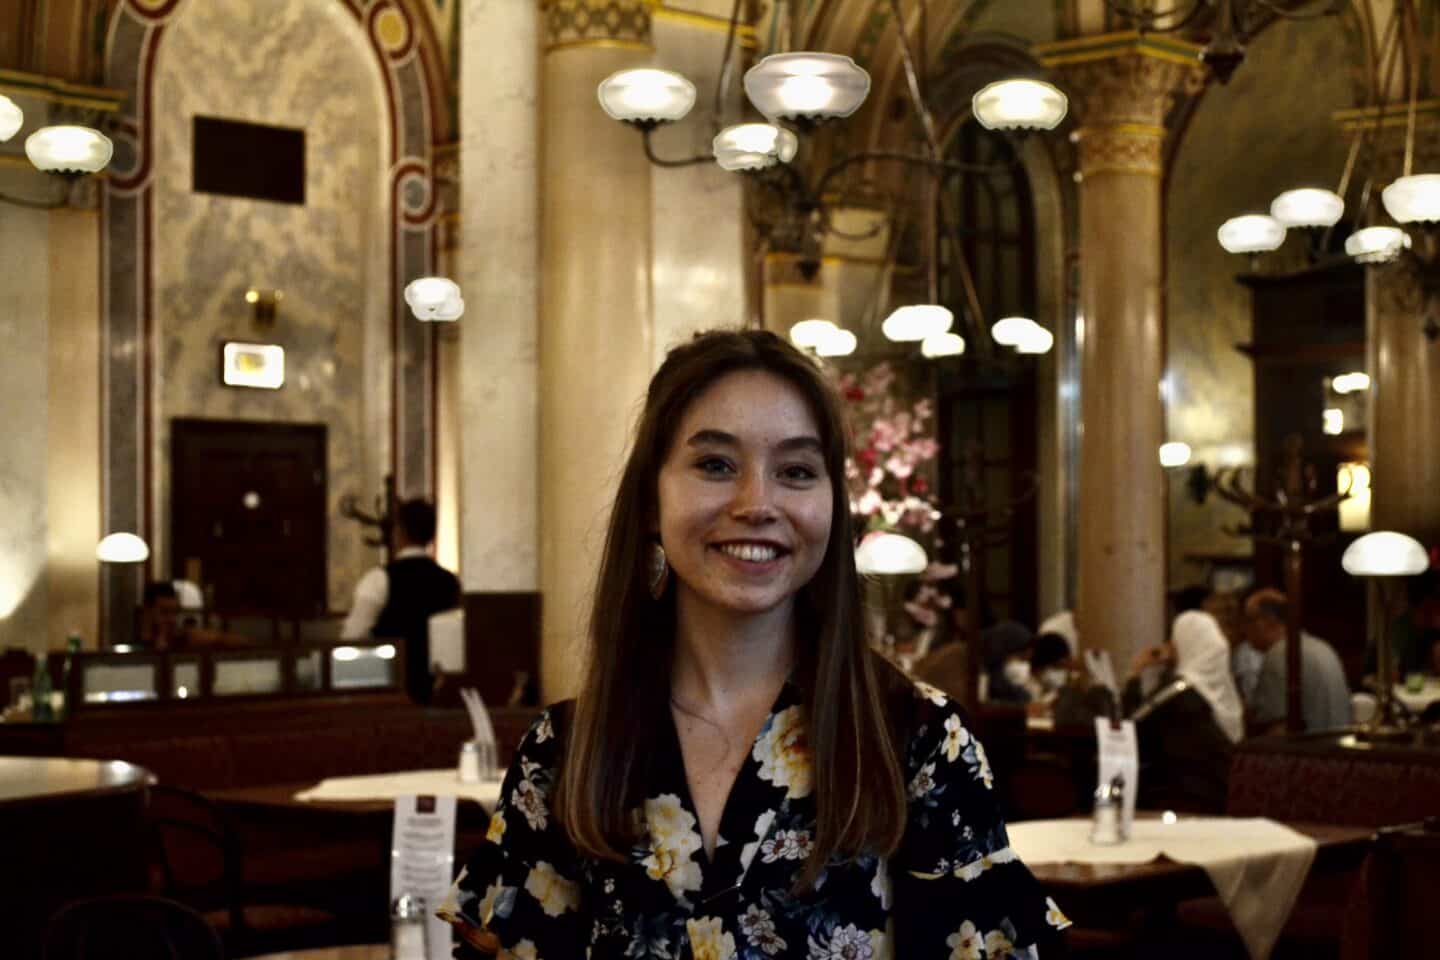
pixel 359 951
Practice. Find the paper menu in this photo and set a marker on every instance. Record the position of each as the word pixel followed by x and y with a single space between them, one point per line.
pixel 422 861
pixel 1119 755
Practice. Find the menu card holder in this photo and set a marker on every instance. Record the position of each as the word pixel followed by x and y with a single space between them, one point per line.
pixel 1120 757
pixel 422 861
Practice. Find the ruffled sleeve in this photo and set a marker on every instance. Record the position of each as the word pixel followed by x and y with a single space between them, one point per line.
pixel 960 891
pixel 522 886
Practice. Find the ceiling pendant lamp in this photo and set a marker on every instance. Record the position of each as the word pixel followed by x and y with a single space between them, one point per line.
pixel 806 86
pixel 434 298
pixel 122 548
pixel 646 96
pixel 1011 331
pixel 809 334
pixel 882 553
pixel 69 149
pixel 11 118
pixel 753 146
pixel 1019 105
pixel 1413 198
pixel 839 342
pixel 942 345
pixel 1308 207
pixel 1037 340
pixel 1252 233
pixel 917 322
pixel 1376 244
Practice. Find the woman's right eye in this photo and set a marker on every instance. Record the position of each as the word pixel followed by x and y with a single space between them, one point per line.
pixel 714 466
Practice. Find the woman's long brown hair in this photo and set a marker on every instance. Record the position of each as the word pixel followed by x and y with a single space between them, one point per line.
pixel 624 698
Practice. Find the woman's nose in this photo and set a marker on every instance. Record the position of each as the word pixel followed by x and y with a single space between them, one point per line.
pixel 753 499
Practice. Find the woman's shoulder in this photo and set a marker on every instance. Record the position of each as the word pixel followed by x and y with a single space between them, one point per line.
pixel 548 731
pixel 922 715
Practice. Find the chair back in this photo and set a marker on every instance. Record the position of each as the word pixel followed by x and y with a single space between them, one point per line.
pixel 127 926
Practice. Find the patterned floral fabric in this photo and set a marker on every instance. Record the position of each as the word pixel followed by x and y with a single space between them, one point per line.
pixel 953 891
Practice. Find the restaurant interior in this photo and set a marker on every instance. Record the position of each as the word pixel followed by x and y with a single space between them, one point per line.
pixel 1134 309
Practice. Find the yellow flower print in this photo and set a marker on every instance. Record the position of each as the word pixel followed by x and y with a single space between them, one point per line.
pixel 555 893
pixel 956 737
pixel 487 903
pixel 1053 916
pixel 924 691
pixel 975 868
pixel 998 945
pixel 673 839
pixel 496 833
pixel 783 752
pixel 965 943
pixel 708 939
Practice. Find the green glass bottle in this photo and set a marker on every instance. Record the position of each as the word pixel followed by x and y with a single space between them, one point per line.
pixel 73 643
pixel 40 690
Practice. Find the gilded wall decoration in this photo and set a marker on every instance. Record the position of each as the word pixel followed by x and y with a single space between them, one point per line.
pixel 578 22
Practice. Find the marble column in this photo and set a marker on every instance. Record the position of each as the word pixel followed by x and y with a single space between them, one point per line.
pixel 1121 87
pixel 596 337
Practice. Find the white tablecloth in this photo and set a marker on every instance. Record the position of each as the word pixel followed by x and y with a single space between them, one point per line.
pixel 388 786
pixel 1257 865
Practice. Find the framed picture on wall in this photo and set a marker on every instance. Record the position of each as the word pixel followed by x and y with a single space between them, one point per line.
pixel 255 365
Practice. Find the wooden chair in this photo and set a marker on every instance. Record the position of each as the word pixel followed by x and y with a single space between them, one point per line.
pixel 129 925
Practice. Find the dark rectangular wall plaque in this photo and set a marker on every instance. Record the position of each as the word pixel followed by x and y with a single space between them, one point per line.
pixel 238 159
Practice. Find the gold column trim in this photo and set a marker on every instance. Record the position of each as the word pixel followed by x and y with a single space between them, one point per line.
pixel 1390 115
pixel 616 24
pixel 63 92
pixel 603 43
pixel 744 32
pixel 1102 46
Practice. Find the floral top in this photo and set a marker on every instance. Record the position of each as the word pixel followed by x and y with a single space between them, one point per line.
pixel 953 890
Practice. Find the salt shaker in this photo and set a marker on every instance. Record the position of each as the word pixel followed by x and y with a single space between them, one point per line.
pixel 407 928
pixel 470 771
pixel 1109 802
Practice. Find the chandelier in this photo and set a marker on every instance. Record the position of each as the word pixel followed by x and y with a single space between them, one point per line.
pixel 67 150
pixel 1233 22
pixel 797 92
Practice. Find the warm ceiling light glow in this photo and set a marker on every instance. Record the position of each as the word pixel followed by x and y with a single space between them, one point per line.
pixel 252 296
pixel 1414 198
pixel 122 548
pixel 753 146
pixel 889 553
pixel 386 651
pixel 1354 478
pixel 1036 340
pixel 434 298
pixel 807 334
pixel 1019 104
pixel 345 654
pixel 1252 233
pixel 69 149
pixel 1308 207
pixel 820 86
pixel 1354 382
pixel 12 118
pixel 1385 554
pixel 1174 454
pixel 646 95
pixel 1334 422
pixel 838 342
pixel 917 322
pixel 1376 244
pixel 1010 331
pixel 943 345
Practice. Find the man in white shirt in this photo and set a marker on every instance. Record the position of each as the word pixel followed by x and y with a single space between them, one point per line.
pixel 397 600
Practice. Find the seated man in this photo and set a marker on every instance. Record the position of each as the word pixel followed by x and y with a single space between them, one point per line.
pixel 159 617
pixel 397 600
pixel 1324 696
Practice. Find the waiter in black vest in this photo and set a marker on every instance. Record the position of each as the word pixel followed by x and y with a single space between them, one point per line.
pixel 397 600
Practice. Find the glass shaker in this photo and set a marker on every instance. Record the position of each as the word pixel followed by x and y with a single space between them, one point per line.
pixel 407 928
pixel 1107 830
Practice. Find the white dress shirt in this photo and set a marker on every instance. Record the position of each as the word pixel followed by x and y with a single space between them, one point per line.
pixel 371 595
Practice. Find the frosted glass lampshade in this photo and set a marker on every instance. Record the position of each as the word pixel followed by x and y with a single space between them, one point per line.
pixel 69 149
pixel 646 95
pixel 1385 553
pixel 839 342
pixel 1019 105
pixel 889 553
pixel 1354 478
pixel 943 345
pixel 122 548
pixel 434 298
pixel 1354 382
pixel 1035 340
pixel 1308 207
pixel 1174 454
pixel 917 322
pixel 1252 233
pixel 1414 198
pixel 1010 331
pixel 1376 244
pixel 753 146
pixel 11 118
pixel 816 86
pixel 808 334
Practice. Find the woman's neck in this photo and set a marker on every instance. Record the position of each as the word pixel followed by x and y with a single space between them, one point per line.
pixel 722 661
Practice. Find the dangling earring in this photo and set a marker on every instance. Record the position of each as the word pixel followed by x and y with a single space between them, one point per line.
pixel 659 571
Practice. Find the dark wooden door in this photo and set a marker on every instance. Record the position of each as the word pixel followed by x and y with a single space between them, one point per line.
pixel 248 507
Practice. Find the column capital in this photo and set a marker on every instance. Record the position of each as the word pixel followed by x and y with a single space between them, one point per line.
pixel 1121 87
pixel 597 23
pixel 1390 121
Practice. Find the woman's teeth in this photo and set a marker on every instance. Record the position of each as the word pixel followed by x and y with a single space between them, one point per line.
pixel 749 551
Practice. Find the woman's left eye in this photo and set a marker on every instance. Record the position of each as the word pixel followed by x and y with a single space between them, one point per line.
pixel 799 472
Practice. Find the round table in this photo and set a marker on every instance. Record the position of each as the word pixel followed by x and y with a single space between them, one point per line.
pixel 73 829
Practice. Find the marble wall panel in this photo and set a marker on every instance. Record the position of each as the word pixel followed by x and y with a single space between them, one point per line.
pixel 299 64
pixel 1267 131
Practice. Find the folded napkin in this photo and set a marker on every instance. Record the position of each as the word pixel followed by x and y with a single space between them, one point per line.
pixel 1257 866
pixel 388 786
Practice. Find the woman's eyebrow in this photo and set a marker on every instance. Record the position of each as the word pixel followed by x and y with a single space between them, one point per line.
pixel 711 438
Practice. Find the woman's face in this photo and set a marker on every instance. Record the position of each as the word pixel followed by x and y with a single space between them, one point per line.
pixel 745 499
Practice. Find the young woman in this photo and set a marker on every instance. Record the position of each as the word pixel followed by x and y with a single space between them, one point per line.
pixel 740 777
